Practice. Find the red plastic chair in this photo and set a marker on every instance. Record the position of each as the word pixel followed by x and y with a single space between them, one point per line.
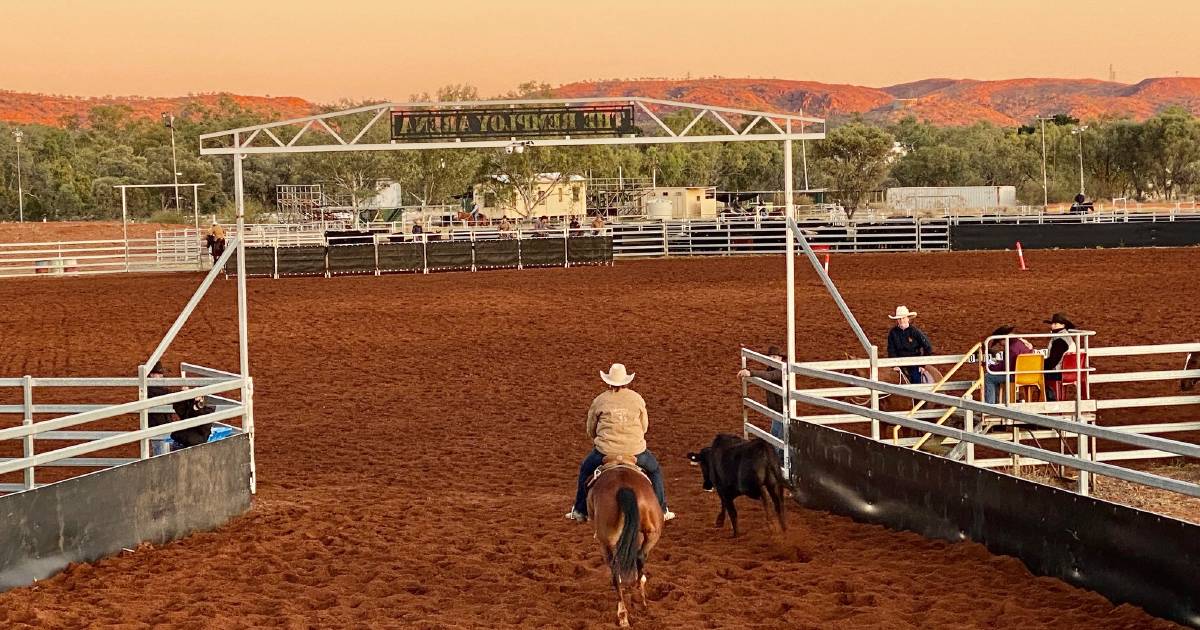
pixel 1070 361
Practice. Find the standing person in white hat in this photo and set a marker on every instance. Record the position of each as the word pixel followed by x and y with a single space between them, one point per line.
pixel 616 425
pixel 906 340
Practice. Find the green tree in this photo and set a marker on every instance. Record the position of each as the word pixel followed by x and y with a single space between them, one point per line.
pixel 854 159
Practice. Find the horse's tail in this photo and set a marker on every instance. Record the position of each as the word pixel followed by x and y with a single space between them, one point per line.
pixel 625 556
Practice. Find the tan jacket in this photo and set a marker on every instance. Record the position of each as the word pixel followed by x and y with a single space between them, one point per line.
pixel 617 422
pixel 217 232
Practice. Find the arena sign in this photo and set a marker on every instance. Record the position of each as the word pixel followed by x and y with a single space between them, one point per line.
pixel 572 121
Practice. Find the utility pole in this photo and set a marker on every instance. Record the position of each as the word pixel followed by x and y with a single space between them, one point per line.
pixel 169 121
pixel 1045 183
pixel 20 188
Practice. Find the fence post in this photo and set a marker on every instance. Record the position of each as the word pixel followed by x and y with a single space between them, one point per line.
pixel 425 252
pixel 918 222
pixel 745 414
pixel 969 426
pixel 377 272
pixel 518 237
pixel 566 237
pixel 27 420
pixel 874 392
pixel 666 247
pixel 275 259
pixel 143 415
pixel 248 427
pixel 1081 351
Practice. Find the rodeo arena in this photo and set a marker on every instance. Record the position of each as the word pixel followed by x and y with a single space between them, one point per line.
pixel 903 420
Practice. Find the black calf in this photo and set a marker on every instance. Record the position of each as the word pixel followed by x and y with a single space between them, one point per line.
pixel 736 467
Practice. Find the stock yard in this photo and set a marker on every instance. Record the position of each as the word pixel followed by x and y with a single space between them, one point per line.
pixel 419 436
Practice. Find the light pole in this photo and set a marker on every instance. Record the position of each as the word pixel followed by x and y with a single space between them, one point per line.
pixel 17 134
pixel 1045 183
pixel 1078 131
pixel 169 121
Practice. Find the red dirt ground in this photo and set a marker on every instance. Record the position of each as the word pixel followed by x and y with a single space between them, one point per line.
pixel 419 436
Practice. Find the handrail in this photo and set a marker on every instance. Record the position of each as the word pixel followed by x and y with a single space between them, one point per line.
pixel 833 291
pixel 941 419
pixel 1170 446
pixel 117 410
pixel 1014 448
pixel 120 439
pixel 945 377
pixel 199 294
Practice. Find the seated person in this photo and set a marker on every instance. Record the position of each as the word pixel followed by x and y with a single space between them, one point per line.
pixel 195 435
pixel 1002 357
pixel 1060 344
pixel 616 424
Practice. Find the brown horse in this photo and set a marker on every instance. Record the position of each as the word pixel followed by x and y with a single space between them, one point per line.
pixel 627 520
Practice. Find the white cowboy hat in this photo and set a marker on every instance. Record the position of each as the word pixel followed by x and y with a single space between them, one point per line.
pixel 617 376
pixel 902 311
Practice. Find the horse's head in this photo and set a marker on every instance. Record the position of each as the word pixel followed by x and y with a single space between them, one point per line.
pixel 1188 384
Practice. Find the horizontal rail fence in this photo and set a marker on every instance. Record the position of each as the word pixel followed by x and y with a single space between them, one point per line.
pixel 463 250
pixel 765 235
pixel 183 250
pixel 21 429
pixel 93 257
pixel 1021 432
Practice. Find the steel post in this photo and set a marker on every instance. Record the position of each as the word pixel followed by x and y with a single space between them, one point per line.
pixel 243 327
pixel 144 414
pixel 27 420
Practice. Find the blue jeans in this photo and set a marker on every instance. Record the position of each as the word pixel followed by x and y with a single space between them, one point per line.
pixel 777 431
pixel 991 386
pixel 913 372
pixel 645 460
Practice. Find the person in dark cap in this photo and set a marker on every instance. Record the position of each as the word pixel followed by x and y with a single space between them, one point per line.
pixel 775 402
pixel 157 371
pixel 1060 344
pixel 1002 359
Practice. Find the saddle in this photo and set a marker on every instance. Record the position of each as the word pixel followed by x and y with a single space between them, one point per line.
pixel 613 463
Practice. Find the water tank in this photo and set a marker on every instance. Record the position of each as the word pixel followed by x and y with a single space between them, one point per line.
pixel 659 209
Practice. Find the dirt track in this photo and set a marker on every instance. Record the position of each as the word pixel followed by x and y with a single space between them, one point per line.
pixel 419 437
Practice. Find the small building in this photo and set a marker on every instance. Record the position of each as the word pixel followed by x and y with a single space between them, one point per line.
pixel 681 202
pixel 560 196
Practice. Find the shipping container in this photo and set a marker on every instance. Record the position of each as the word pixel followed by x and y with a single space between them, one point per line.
pixel 913 199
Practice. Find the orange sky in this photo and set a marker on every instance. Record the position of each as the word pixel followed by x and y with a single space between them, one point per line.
pixel 391 49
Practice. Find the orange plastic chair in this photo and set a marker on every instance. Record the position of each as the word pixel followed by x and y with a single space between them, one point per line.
pixel 1029 376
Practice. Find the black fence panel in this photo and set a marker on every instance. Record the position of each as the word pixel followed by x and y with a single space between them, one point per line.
pixel 401 257
pixel 543 252
pixel 971 236
pixel 589 250
pixel 307 260
pixel 1127 555
pixel 348 259
pixel 448 255
pixel 260 261
pixel 497 254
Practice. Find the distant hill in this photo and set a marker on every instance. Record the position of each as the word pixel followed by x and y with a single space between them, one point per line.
pixel 44 109
pixel 941 101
